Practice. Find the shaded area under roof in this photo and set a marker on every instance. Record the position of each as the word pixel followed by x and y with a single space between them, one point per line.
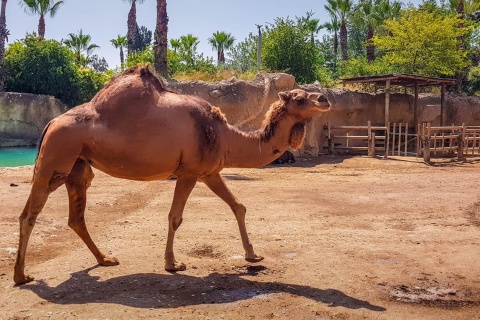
pixel 405 80
pixel 400 79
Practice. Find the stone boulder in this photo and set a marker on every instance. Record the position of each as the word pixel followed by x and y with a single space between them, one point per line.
pixel 243 102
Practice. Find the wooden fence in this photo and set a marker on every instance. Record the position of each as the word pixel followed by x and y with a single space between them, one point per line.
pixel 401 140
pixel 341 137
pixel 460 140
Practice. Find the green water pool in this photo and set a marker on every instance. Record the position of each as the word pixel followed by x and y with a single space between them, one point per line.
pixel 15 157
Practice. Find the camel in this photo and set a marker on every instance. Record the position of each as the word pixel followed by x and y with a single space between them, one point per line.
pixel 137 129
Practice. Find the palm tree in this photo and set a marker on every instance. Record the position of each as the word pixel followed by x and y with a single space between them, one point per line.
pixel 42 8
pixel 312 25
pixel 386 10
pixel 221 41
pixel 333 25
pixel 188 47
pixel 132 23
pixel 160 47
pixel 342 9
pixel 120 43
pixel 175 44
pixel 3 37
pixel 365 16
pixel 80 43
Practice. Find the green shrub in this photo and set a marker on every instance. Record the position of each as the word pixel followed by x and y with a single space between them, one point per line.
pixel 38 66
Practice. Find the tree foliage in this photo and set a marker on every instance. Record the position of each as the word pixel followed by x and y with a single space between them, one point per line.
pixel 39 66
pixel 424 43
pixel 244 54
pixel 287 47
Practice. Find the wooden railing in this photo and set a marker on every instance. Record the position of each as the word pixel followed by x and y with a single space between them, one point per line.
pixel 372 135
pixel 460 140
pixel 401 140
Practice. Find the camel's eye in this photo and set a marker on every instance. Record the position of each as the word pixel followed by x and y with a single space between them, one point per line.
pixel 300 99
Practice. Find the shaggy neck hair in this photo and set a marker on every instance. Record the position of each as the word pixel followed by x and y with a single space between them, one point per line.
pixel 275 114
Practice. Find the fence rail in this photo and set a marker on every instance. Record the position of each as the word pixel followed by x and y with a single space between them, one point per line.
pixel 401 140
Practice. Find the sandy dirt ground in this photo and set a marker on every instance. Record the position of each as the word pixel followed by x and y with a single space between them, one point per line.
pixel 343 238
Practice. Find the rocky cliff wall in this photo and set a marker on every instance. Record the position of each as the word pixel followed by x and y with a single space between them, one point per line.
pixel 23 117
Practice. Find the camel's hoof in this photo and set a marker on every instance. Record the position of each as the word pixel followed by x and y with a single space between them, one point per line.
pixel 175 266
pixel 254 258
pixel 108 261
pixel 23 279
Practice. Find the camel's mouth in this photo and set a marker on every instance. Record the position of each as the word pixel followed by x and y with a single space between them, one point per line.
pixel 323 106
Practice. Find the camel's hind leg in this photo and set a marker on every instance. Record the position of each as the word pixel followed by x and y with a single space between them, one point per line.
pixel 183 188
pixel 77 184
pixel 218 186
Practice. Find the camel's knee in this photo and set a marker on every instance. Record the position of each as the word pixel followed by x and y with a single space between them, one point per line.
pixel 76 224
pixel 239 210
pixel 57 180
pixel 175 222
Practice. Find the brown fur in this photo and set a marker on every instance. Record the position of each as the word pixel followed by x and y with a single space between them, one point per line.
pixel 275 114
pixel 136 129
pixel 297 135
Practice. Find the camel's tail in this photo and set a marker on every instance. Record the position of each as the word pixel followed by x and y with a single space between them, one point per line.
pixel 39 145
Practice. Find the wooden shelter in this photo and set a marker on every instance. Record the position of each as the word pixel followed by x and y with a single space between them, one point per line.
pixel 405 80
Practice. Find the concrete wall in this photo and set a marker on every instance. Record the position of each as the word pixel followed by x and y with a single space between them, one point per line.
pixel 23 117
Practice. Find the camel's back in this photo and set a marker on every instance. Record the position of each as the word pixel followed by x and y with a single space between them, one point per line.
pixel 146 126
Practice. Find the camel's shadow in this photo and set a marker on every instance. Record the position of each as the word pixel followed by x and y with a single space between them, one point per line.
pixel 148 290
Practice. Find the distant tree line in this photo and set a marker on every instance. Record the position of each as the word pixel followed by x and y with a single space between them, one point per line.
pixel 364 37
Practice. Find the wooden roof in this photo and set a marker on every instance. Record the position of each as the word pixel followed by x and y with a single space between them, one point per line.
pixel 400 79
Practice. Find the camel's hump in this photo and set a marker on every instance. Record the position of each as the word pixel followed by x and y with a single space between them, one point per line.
pixel 145 72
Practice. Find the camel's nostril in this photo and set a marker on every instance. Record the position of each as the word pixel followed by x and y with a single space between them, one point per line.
pixel 322 99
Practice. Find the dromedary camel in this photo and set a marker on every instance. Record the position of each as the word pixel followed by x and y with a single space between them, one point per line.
pixel 137 129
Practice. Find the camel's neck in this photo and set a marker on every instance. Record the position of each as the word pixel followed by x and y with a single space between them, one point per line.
pixel 250 151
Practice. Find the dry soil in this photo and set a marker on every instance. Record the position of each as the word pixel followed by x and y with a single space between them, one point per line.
pixel 343 238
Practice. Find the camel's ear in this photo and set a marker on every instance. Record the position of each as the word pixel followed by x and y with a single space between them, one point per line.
pixel 284 95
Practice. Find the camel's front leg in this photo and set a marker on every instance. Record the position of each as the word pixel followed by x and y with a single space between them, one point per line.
pixel 218 186
pixel 183 189
pixel 37 199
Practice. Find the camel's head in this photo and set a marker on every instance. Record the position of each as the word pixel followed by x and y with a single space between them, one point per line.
pixel 304 104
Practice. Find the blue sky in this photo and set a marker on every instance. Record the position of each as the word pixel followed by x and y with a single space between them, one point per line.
pixel 105 19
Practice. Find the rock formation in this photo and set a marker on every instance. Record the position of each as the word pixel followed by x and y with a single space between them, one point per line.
pixel 23 117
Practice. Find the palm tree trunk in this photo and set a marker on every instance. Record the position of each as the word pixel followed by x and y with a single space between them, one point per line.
pixel 161 41
pixel 131 27
pixel 41 27
pixel 370 46
pixel 3 37
pixel 122 58
pixel 335 43
pixel 222 57
pixel 343 40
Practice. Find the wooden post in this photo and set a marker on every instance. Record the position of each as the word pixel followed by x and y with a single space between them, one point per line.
pixel 460 146
pixel 406 139
pixel 369 134
pixel 387 139
pixel 387 102
pixel 418 140
pixel 415 107
pixel 426 145
pixel 371 145
pixel 393 138
pixel 442 103
pixel 399 138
